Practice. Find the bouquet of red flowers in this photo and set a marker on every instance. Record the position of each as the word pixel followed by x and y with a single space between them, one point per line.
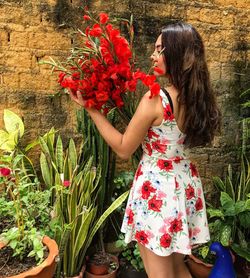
pixel 102 69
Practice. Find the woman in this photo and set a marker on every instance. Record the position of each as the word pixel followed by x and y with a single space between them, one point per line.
pixel 166 212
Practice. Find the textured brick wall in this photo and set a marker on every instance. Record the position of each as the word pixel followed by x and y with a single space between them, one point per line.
pixel 32 30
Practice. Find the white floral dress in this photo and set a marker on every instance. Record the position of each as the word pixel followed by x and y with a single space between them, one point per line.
pixel 166 209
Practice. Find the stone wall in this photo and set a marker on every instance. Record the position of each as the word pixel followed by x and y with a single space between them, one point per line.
pixel 32 30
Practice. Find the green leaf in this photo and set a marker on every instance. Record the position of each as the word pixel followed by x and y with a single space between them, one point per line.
pixel 59 154
pixel 219 184
pixel 242 252
pixel 240 206
pixel 46 170
pixel 13 122
pixel 72 154
pixel 225 235
pixel 242 240
pixel 244 218
pixel 4 139
pixel 106 213
pixel 215 213
pixel 82 235
pixel 44 146
pixel 227 204
pixel 248 204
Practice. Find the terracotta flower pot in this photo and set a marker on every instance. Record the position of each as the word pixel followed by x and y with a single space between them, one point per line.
pixel 198 268
pixel 112 274
pixel 47 267
pixel 81 274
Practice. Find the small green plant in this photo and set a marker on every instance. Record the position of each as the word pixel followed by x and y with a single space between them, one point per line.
pixel 28 213
pixel 24 208
pixel 230 222
pixel 130 253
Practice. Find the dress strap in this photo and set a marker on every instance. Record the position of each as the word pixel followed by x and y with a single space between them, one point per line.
pixel 169 99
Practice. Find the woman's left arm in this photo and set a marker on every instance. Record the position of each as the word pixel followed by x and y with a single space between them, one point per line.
pixel 124 145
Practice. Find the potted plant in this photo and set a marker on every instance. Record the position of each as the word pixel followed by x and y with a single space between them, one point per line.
pixel 102 264
pixel 75 207
pixel 25 206
pixel 229 221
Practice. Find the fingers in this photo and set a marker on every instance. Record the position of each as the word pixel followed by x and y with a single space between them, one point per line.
pixel 77 98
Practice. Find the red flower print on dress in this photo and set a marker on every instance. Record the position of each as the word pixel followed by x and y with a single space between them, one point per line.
pixel 194 171
pixel 165 164
pixel 168 115
pixel 175 226
pixel 159 147
pixel 198 204
pixel 177 159
pixel 189 192
pixel 154 204
pixel 152 134
pixel 146 189
pixel 130 217
pixel 193 232
pixel 177 186
pixel 141 237
pixel 165 240
pixel 149 149
pixel 138 172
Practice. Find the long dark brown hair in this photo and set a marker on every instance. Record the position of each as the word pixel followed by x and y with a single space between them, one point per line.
pixel 187 69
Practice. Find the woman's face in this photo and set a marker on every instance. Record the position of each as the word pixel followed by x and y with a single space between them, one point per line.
pixel 158 59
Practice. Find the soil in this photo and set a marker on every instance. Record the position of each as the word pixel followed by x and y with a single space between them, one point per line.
pixel 10 266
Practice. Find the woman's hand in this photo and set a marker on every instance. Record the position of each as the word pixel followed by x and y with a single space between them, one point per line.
pixel 77 98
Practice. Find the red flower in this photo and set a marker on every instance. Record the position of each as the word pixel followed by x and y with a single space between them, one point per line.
pixel 146 189
pixel 141 237
pixel 96 31
pixel 138 172
pixel 168 114
pixel 131 85
pixel 103 18
pixel 198 204
pixel 176 226
pixel 86 17
pixel 5 172
pixel 158 70
pixel 155 90
pixel 61 77
pixel 158 146
pixel 103 70
pixel 154 204
pixel 66 183
pixel 194 171
pixel 165 164
pixel 165 240
pixel 102 96
pixel 189 192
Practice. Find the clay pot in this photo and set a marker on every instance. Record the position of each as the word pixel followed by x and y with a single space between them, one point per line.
pixel 47 267
pixel 198 268
pixel 112 274
pixel 80 274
